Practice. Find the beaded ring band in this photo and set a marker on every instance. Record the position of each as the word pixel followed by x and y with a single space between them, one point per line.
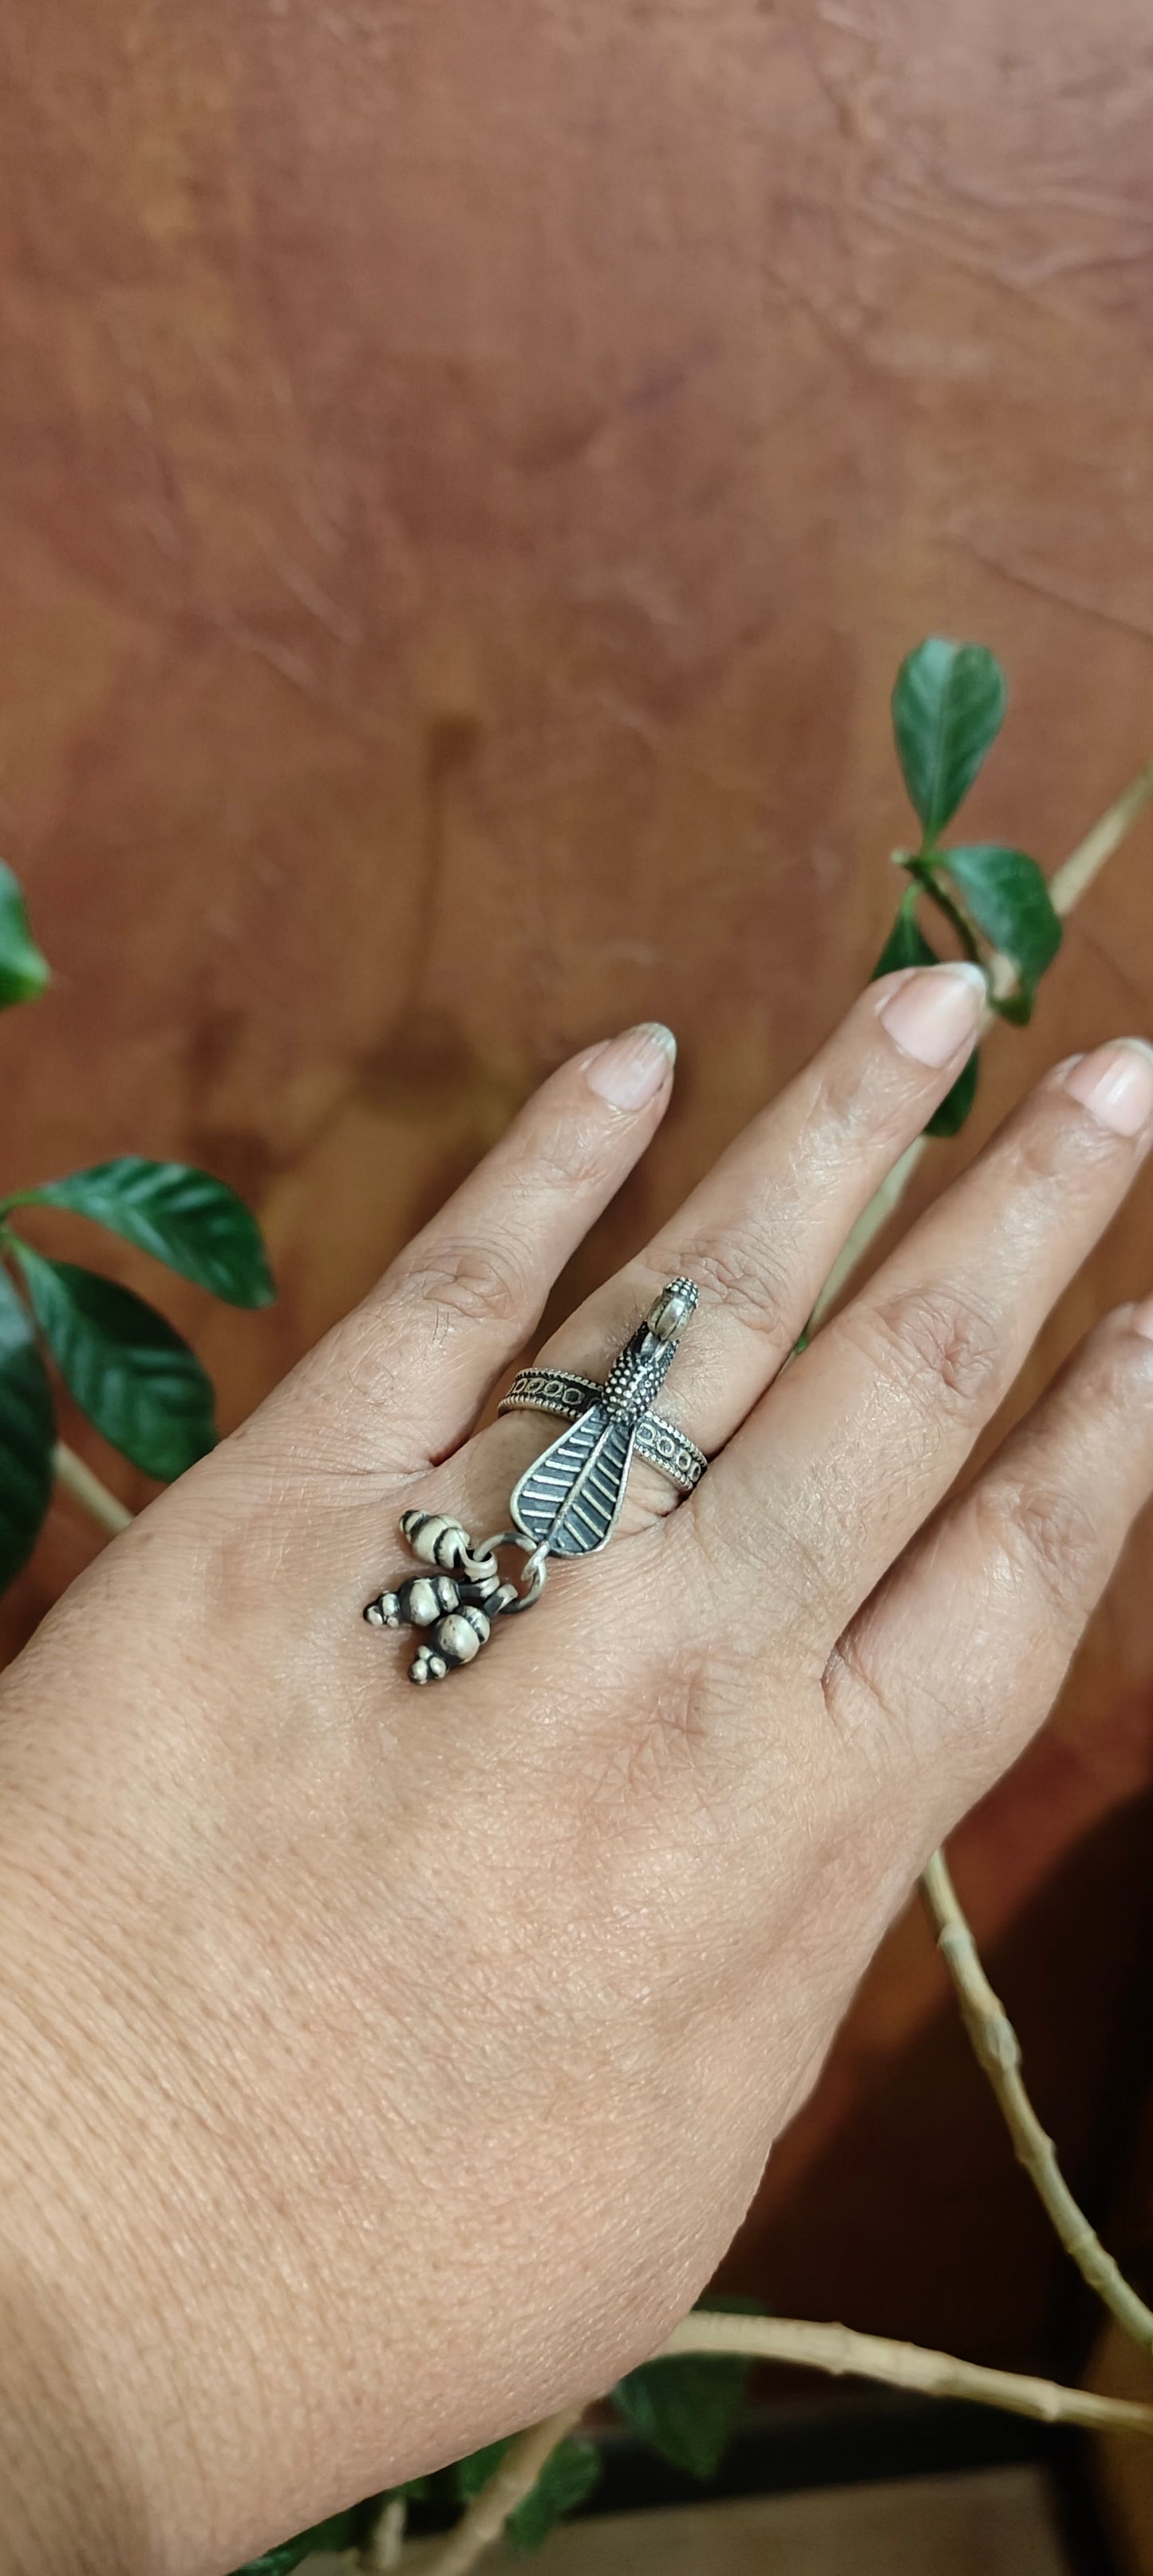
pixel 537 1390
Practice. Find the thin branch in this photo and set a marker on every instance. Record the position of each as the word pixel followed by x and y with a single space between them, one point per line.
pixel 383 2551
pixel 79 1481
pixel 903 2365
pixel 795 2341
pixel 517 2475
pixel 880 1208
pixel 998 2050
pixel 1084 864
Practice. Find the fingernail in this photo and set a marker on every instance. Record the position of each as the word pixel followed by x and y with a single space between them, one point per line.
pixel 1116 1084
pixel 936 1011
pixel 630 1069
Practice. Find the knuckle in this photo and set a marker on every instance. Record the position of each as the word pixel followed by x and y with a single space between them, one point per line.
pixel 1042 1534
pixel 1056 1146
pixel 473 1282
pixel 559 1152
pixel 742 1273
pixel 1116 1376
pixel 862 1092
pixel 938 1340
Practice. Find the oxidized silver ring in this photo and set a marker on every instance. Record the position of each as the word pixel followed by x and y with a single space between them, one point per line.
pixel 567 1503
pixel 540 1390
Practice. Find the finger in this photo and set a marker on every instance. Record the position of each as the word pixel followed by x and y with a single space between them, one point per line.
pixel 958 1658
pixel 417 1357
pixel 864 1437
pixel 760 1234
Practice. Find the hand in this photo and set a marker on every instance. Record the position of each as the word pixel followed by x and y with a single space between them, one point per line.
pixel 385 2067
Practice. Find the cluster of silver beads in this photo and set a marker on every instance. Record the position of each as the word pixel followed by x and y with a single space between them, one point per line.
pixel 456 1607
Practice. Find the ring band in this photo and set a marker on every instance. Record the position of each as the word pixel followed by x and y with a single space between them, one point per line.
pixel 561 1391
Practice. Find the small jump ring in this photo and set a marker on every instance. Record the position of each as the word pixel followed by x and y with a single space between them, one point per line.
pixel 535 1567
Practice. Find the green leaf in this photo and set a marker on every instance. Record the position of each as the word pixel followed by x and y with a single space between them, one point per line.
pixel 1006 894
pixel 23 971
pixel 688 2407
pixel 27 1432
pixel 471 2474
pixel 186 1218
pixel 341 2531
pixel 129 1372
pixel 906 944
pixel 957 1103
pixel 569 2474
pixel 948 708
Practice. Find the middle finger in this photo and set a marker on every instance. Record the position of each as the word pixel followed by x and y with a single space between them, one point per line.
pixel 761 1233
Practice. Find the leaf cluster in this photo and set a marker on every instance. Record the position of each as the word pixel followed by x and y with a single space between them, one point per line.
pixel 948 708
pixel 134 1377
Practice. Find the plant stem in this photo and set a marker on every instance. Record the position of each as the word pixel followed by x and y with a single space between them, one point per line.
pixel 902 2365
pixel 383 2551
pixel 486 2516
pixel 79 1481
pixel 998 2050
pixel 880 1208
pixel 948 905
pixel 797 2342
pixel 1085 863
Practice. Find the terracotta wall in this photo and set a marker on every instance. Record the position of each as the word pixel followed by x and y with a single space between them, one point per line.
pixel 468 470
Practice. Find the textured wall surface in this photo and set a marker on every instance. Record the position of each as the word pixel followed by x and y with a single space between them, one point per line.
pixel 468 470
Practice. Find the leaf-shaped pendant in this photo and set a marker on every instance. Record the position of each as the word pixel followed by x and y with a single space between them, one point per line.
pixel 570 1498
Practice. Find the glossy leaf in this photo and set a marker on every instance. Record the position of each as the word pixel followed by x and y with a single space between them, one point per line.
pixel 129 1371
pixel 957 1103
pixel 948 708
pixel 906 944
pixel 1006 894
pixel 27 1432
pixel 23 971
pixel 688 2408
pixel 184 1217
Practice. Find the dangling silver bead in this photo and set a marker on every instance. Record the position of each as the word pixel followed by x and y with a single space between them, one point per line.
pixel 436 1540
pixel 454 1640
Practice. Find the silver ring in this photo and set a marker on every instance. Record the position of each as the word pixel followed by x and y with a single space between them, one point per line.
pixel 563 1392
pixel 567 1503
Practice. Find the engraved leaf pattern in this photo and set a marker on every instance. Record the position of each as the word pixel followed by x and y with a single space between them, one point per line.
pixel 572 1495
